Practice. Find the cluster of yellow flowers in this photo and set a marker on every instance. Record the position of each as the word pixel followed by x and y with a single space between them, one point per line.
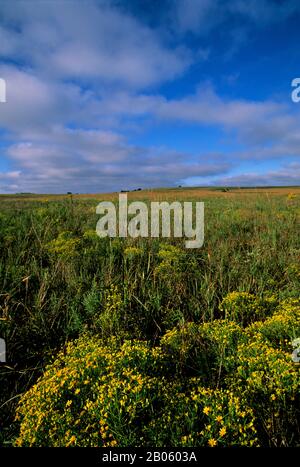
pixel 210 384
pixel 169 256
pixel 132 252
pixel 64 246
pixel 90 234
pixel 202 349
pixel 246 308
pixel 106 395
pixel 206 414
pixel 280 328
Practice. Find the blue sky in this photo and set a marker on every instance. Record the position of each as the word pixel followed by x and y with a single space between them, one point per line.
pixel 105 95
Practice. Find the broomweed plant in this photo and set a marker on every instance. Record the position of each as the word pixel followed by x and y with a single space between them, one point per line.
pixel 111 395
pixel 209 384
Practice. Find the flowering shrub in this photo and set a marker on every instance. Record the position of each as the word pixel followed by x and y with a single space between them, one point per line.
pixel 207 384
pixel 64 246
pixel 170 262
pixel 245 308
pixel 205 417
pixel 282 327
pixel 201 349
pixel 269 381
pixel 92 395
pixel 110 395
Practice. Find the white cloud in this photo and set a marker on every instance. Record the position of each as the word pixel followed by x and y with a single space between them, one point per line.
pixel 89 41
pixel 102 165
pixel 288 174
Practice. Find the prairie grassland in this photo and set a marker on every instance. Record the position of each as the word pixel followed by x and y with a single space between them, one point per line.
pixel 193 347
pixel 161 194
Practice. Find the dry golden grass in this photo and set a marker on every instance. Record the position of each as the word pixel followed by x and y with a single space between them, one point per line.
pixel 164 194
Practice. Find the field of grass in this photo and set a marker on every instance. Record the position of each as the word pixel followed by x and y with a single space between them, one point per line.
pixel 141 342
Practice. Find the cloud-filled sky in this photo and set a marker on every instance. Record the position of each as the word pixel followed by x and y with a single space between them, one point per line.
pixel 105 95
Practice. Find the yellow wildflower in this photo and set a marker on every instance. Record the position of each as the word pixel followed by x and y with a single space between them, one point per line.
pixel 212 442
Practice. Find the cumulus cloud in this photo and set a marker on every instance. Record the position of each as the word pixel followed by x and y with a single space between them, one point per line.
pixel 270 127
pixel 88 40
